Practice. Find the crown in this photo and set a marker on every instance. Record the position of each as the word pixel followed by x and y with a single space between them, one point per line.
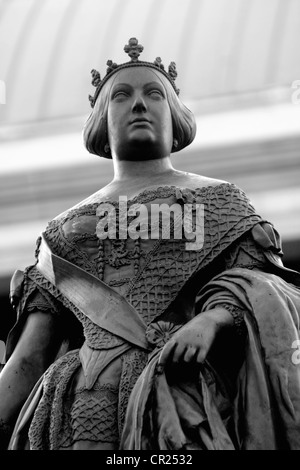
pixel 133 49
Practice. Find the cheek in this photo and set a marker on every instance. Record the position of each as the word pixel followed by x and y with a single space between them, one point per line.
pixel 113 123
pixel 168 123
pixel 110 118
pixel 167 116
pixel 163 116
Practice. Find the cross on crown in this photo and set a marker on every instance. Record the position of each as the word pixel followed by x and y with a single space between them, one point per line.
pixel 133 49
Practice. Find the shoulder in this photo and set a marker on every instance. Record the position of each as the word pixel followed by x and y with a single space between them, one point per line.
pixel 86 204
pixel 219 193
pixel 213 186
pixel 195 181
pixel 204 181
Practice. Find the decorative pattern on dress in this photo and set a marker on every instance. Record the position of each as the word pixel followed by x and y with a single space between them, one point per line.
pixel 150 273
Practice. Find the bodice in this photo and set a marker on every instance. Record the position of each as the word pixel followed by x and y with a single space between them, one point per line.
pixel 150 273
pixel 154 275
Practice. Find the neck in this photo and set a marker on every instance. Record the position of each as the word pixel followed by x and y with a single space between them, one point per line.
pixel 125 170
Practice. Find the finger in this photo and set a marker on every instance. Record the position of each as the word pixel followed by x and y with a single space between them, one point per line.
pixel 179 352
pixel 201 356
pixel 165 353
pixel 190 354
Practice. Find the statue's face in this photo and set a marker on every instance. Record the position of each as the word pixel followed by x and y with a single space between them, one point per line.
pixel 139 119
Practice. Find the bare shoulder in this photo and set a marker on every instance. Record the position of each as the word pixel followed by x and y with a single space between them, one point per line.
pixel 92 199
pixel 193 181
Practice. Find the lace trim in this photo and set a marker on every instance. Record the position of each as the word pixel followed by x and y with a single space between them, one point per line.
pixel 144 196
pixel 119 282
pixel 245 253
pixel 97 338
pixel 39 302
pixel 133 363
pixel 45 431
pixel 183 195
pixel 253 265
pixel 28 289
pixel 238 317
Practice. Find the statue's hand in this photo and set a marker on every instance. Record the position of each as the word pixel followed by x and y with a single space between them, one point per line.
pixel 194 340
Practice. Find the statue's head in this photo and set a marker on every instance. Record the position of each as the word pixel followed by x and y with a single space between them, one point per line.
pixel 135 74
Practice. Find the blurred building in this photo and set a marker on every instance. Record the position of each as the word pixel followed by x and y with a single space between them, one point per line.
pixel 238 61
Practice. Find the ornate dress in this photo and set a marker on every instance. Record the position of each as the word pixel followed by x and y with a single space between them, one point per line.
pixel 103 392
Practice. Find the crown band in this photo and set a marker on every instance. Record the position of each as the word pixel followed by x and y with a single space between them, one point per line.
pixel 133 49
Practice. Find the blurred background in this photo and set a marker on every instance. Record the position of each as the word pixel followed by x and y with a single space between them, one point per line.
pixel 239 72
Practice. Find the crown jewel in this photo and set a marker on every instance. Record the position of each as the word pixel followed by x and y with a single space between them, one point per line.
pixel 133 49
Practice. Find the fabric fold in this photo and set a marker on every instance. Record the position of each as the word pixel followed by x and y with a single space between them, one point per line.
pixel 265 411
pixel 94 361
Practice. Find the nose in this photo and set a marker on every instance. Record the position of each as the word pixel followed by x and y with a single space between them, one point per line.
pixel 139 105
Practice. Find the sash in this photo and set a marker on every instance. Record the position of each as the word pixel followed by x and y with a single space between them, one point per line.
pixel 95 299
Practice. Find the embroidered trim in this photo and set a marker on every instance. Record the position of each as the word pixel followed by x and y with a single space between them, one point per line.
pixel 133 363
pixel 245 253
pixel 47 423
pixel 238 317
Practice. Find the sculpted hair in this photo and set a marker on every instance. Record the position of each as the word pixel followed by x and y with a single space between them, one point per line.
pixel 95 133
pixel 95 129
pixel 183 120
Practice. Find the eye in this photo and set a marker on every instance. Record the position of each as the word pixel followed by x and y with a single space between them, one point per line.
pixel 120 95
pixel 156 94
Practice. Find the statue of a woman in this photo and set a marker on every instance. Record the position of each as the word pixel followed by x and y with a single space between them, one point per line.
pixel 132 341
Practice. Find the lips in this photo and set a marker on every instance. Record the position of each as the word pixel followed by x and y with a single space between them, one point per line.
pixel 140 121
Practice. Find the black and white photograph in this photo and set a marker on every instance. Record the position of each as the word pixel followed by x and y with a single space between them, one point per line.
pixel 149 227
